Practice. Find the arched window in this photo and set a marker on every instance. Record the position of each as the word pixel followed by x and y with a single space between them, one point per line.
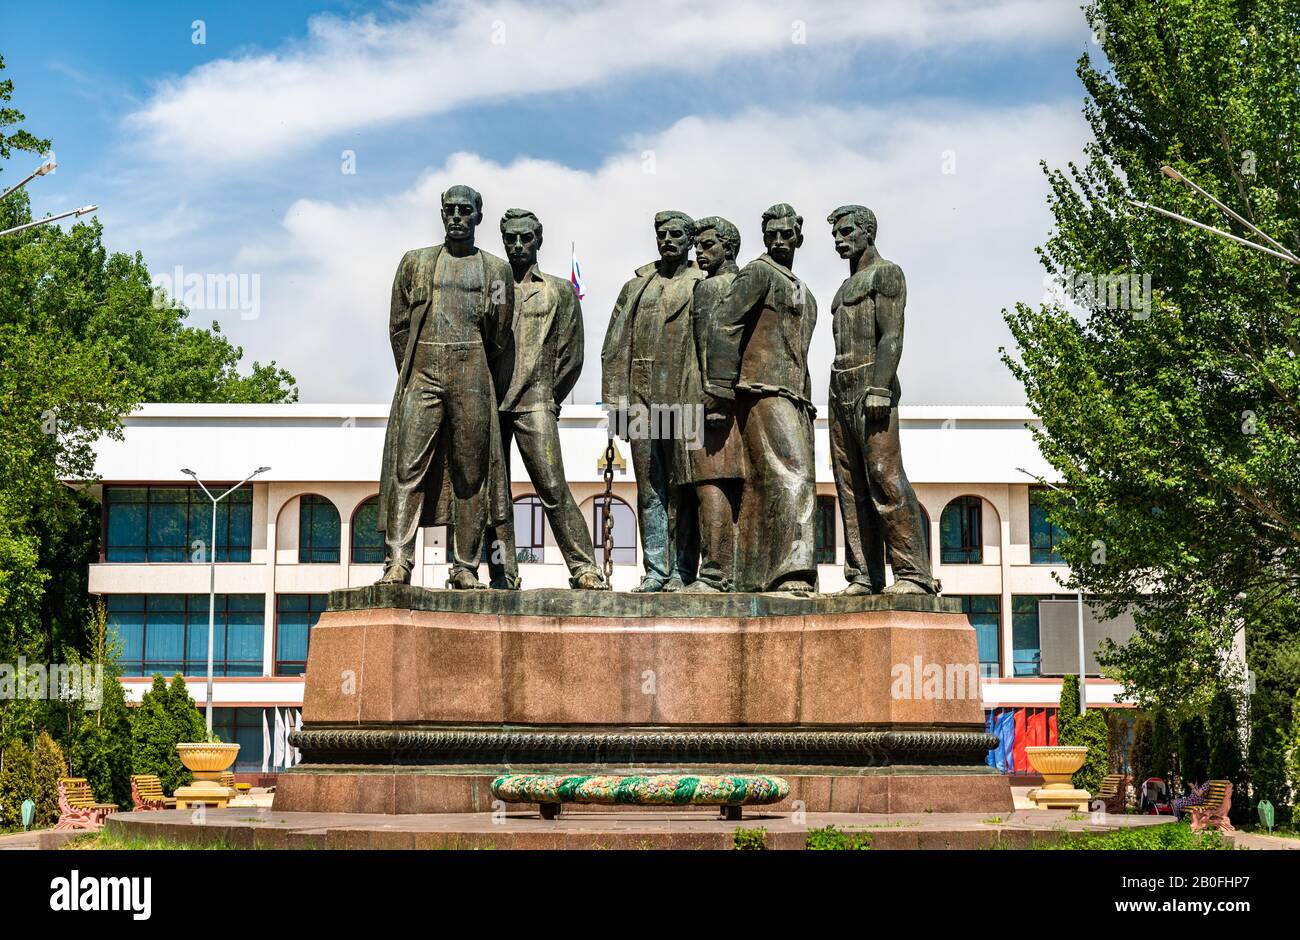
pixel 530 530
pixel 318 531
pixel 961 540
pixel 624 536
pixel 824 547
pixel 367 540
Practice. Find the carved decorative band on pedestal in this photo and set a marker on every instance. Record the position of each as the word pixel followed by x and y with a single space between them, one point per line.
pixel 460 746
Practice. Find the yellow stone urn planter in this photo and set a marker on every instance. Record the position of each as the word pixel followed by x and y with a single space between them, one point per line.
pixel 207 761
pixel 1058 765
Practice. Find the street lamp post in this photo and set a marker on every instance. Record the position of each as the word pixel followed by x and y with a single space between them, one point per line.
pixel 1083 676
pixel 212 572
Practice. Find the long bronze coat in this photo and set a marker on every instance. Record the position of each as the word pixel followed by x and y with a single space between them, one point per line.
pixel 413 292
pixel 721 455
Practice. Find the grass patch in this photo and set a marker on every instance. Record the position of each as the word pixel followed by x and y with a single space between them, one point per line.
pixel 749 839
pixel 104 839
pixel 832 839
pixel 992 821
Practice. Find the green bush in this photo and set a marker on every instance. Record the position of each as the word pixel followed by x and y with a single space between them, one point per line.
pixel 832 839
pixel 749 839
pixel 1088 730
pixel 49 766
pixel 1165 837
pixel 17 783
pixel 165 717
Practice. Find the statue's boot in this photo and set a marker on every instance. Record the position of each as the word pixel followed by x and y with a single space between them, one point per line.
pixel 673 585
pixel 796 587
pixel 589 581
pixel 701 587
pixel 855 588
pixel 464 580
pixel 649 585
pixel 396 574
pixel 903 586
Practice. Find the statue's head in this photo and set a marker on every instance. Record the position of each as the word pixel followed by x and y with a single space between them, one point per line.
pixel 782 232
pixel 717 241
pixel 854 228
pixel 462 211
pixel 521 233
pixel 673 234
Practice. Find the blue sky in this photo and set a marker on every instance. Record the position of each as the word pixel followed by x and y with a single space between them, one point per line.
pixel 227 157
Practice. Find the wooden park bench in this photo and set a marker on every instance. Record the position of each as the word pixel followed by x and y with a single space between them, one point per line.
pixel 730 792
pixel 1114 792
pixel 1213 813
pixel 77 806
pixel 147 793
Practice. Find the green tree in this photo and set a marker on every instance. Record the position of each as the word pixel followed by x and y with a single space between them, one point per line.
pixel 17 783
pixel 83 339
pixel 49 766
pixel 1141 758
pixel 100 736
pixel 1175 424
pixel 1087 730
pixel 158 724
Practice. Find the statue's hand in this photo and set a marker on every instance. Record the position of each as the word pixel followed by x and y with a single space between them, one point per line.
pixel 716 410
pixel 876 407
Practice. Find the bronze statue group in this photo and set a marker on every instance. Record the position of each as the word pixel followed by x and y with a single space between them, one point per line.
pixel 487 349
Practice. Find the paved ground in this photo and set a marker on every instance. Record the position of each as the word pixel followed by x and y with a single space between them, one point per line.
pixel 593 828
pixel 596 828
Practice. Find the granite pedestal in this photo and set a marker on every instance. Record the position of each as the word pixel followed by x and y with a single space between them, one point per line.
pixel 415 698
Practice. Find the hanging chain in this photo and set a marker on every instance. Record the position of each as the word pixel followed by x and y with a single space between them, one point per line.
pixel 607 534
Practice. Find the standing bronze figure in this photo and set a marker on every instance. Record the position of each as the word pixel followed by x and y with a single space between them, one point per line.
pixel 642 359
pixel 758 370
pixel 877 502
pixel 443 465
pixel 533 376
pixel 717 467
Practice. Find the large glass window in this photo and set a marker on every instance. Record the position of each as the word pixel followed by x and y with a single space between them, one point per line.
pixel 242 726
pixel 530 530
pixel 295 615
pixel 168 633
pixel 318 531
pixel 961 539
pixel 624 536
pixel 824 550
pixel 1044 537
pixel 367 540
pixel 1026 657
pixel 984 613
pixel 174 524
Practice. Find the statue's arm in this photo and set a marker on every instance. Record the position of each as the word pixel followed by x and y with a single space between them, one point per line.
pixel 891 298
pixel 730 316
pixel 497 329
pixel 569 345
pixel 399 311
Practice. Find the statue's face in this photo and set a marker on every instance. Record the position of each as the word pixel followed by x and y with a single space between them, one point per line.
pixel 851 237
pixel 673 239
pixel 459 216
pixel 710 251
pixel 521 241
pixel 782 237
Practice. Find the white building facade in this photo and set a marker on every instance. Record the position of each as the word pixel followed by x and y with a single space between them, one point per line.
pixel 306 526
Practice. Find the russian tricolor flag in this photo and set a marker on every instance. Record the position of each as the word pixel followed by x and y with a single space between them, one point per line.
pixel 575 275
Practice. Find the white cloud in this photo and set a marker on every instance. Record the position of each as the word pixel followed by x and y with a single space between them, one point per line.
pixel 354 73
pixel 964 240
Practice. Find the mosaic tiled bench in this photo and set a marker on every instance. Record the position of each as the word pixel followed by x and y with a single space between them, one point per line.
pixel 731 792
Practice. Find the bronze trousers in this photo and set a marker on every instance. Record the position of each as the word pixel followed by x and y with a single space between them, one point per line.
pixel 877 503
pixel 538 436
pixel 445 410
